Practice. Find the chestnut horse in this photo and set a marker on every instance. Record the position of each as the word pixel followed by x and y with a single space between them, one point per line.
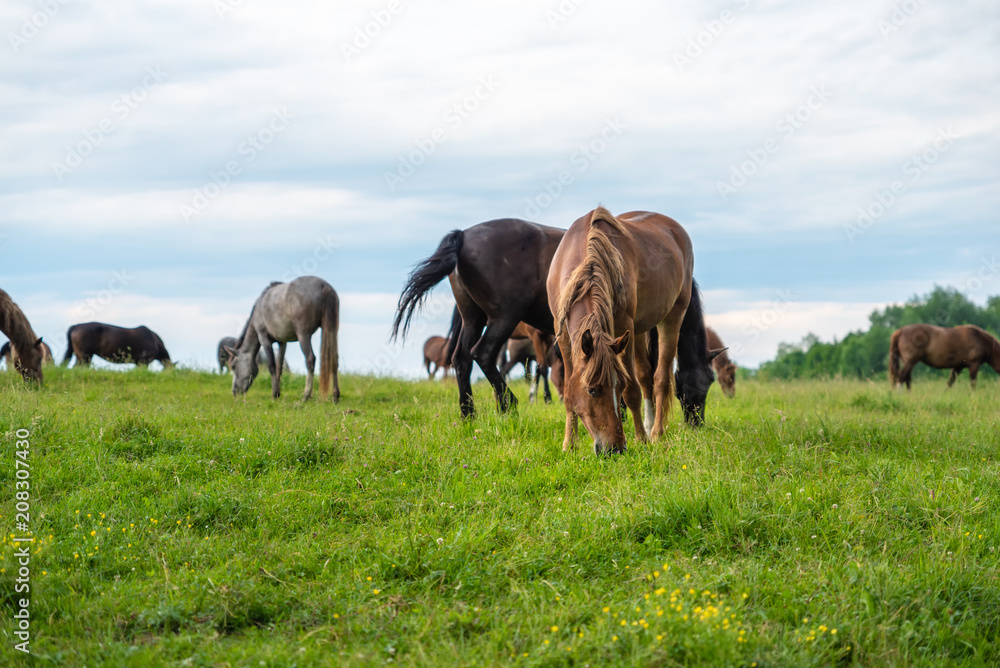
pixel 610 278
pixel 497 273
pixel 952 348
pixel 725 368
pixel 436 353
pixel 26 348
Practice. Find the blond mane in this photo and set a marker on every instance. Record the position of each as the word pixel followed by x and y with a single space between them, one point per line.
pixel 600 276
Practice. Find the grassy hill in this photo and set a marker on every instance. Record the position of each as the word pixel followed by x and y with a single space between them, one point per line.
pixel 809 523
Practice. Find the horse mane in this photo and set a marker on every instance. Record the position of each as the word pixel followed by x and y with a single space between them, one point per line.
pixel 239 339
pixel 692 344
pixel 15 325
pixel 601 275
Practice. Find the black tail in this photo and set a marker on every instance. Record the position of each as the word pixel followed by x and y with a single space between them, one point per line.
pixel 453 331
pixel 425 276
pixel 69 346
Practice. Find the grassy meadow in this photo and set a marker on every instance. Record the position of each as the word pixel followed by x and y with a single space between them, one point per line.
pixel 807 524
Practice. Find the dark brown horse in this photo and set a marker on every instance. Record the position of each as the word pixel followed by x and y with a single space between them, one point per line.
pixel 26 355
pixel 725 368
pixel 436 353
pixel 137 345
pixel 955 348
pixel 497 271
pixel 610 278
pixel 6 352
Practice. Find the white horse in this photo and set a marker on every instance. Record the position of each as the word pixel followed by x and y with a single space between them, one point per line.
pixel 290 312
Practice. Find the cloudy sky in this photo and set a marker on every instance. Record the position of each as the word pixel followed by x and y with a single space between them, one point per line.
pixel 163 161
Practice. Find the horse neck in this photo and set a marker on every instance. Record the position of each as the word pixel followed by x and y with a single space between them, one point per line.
pixel 249 341
pixel 15 325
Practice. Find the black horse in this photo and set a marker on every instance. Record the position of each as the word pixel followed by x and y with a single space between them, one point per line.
pixel 139 345
pixel 694 373
pixel 497 271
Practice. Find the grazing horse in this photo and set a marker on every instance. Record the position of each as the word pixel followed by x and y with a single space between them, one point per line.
pixel 528 343
pixel 725 368
pixel 610 278
pixel 436 353
pixel 139 345
pixel 8 356
pixel 952 348
pixel 497 272
pixel 26 348
pixel 290 312
pixel 231 342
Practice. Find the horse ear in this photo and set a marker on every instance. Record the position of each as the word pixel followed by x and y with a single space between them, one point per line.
pixel 712 354
pixel 587 343
pixel 38 342
pixel 619 344
pixel 231 351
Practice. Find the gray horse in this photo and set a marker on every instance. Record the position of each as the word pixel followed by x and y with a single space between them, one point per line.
pixel 290 312
pixel 228 342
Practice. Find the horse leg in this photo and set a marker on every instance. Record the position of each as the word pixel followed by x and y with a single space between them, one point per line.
pixel 485 352
pixel 669 332
pixel 632 393
pixel 973 372
pixel 541 364
pixel 305 342
pixel 279 360
pixel 954 376
pixel 644 374
pixel 905 374
pixel 569 439
pixel 473 321
pixel 266 343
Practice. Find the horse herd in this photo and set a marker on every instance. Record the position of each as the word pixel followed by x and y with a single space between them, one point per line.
pixel 609 305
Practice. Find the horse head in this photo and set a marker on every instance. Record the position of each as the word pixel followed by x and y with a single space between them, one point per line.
pixel 244 367
pixel 691 385
pixel 594 385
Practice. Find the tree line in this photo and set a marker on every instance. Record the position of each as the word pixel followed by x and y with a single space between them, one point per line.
pixel 865 353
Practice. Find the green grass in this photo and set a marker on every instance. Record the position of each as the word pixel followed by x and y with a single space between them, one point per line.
pixel 178 526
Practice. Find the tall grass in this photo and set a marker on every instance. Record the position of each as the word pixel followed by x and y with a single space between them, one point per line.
pixel 808 523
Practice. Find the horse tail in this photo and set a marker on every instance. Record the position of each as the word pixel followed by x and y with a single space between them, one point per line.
pixel 894 358
pixel 328 355
pixel 453 333
pixel 425 276
pixel 69 346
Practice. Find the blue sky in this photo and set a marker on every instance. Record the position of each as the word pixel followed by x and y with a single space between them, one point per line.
pixel 162 162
